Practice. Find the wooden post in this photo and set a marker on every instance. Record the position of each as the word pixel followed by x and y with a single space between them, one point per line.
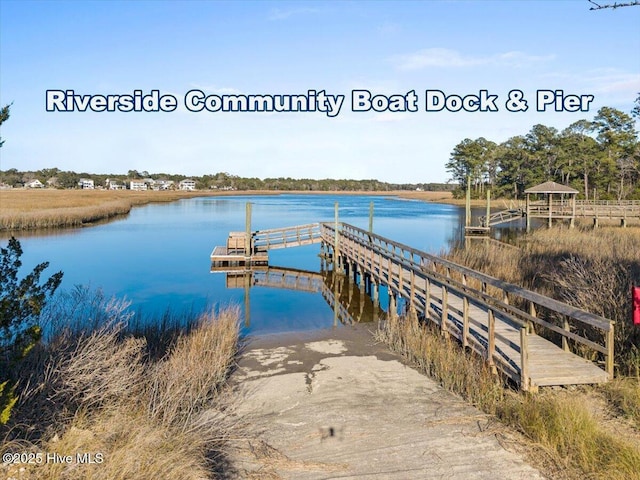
pixel 610 358
pixel 573 210
pixel 550 208
pixel 565 326
pixel 427 300
pixel 524 359
pixel 337 263
pixel 393 306
pixel 445 310
pixel 533 313
pixel 247 299
pixel 486 224
pixel 336 296
pixel 247 243
pixel 492 340
pixel 467 217
pixel 528 213
pixel 412 307
pixel 374 292
pixel 465 321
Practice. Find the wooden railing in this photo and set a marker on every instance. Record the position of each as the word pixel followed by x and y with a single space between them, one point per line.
pixel 591 208
pixel 503 216
pixel 295 236
pixel 289 279
pixel 414 274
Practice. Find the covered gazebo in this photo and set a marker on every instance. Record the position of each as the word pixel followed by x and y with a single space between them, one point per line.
pixel 558 201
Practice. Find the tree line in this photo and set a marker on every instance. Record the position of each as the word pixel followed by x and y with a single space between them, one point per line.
pixel 599 158
pixel 57 178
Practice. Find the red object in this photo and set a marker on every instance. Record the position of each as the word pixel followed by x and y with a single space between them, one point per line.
pixel 635 293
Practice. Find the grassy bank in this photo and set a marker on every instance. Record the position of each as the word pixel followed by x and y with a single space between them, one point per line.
pixel 143 403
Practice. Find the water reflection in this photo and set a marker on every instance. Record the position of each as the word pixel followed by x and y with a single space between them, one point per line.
pixel 349 299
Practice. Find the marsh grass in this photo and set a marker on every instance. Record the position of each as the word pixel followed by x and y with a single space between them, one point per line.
pixel 99 390
pixel 624 395
pixel 48 208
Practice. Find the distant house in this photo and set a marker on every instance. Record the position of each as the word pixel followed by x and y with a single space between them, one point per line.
pixel 164 185
pixel 137 185
pixel 113 184
pixel 187 184
pixel 33 184
pixel 86 184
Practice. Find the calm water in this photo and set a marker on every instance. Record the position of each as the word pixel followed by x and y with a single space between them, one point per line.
pixel 158 256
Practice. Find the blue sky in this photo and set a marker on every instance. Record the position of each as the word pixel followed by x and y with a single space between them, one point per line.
pixel 459 47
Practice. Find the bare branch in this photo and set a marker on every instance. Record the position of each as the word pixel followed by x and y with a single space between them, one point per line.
pixel 615 5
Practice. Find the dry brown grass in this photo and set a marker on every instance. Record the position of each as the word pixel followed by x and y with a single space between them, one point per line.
pixel 624 395
pixel 446 197
pixel 162 419
pixel 48 208
pixel 589 269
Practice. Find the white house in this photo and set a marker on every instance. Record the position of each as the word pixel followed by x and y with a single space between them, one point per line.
pixel 34 184
pixel 114 185
pixel 187 184
pixel 138 185
pixel 164 185
pixel 86 184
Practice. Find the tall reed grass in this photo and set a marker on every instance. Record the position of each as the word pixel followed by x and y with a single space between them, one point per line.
pixel 98 390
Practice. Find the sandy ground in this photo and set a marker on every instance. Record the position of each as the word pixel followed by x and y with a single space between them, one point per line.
pixel 334 404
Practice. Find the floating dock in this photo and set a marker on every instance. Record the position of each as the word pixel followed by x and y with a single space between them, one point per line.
pixel 237 253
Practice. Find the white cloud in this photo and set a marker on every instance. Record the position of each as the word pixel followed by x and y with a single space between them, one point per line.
pixel 611 83
pixel 279 14
pixel 447 58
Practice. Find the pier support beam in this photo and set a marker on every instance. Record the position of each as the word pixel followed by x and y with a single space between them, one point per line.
pixel 393 305
pixel 488 214
pixel 374 293
pixel 248 250
pixel 467 212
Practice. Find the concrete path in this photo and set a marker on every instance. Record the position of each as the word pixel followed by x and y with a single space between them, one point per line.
pixel 337 405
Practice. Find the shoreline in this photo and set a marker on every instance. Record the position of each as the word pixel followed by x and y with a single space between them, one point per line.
pixel 29 210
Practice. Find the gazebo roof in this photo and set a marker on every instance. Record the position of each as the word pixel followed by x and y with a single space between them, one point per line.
pixel 550 187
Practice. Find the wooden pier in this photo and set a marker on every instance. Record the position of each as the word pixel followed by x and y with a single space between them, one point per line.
pixel 531 339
